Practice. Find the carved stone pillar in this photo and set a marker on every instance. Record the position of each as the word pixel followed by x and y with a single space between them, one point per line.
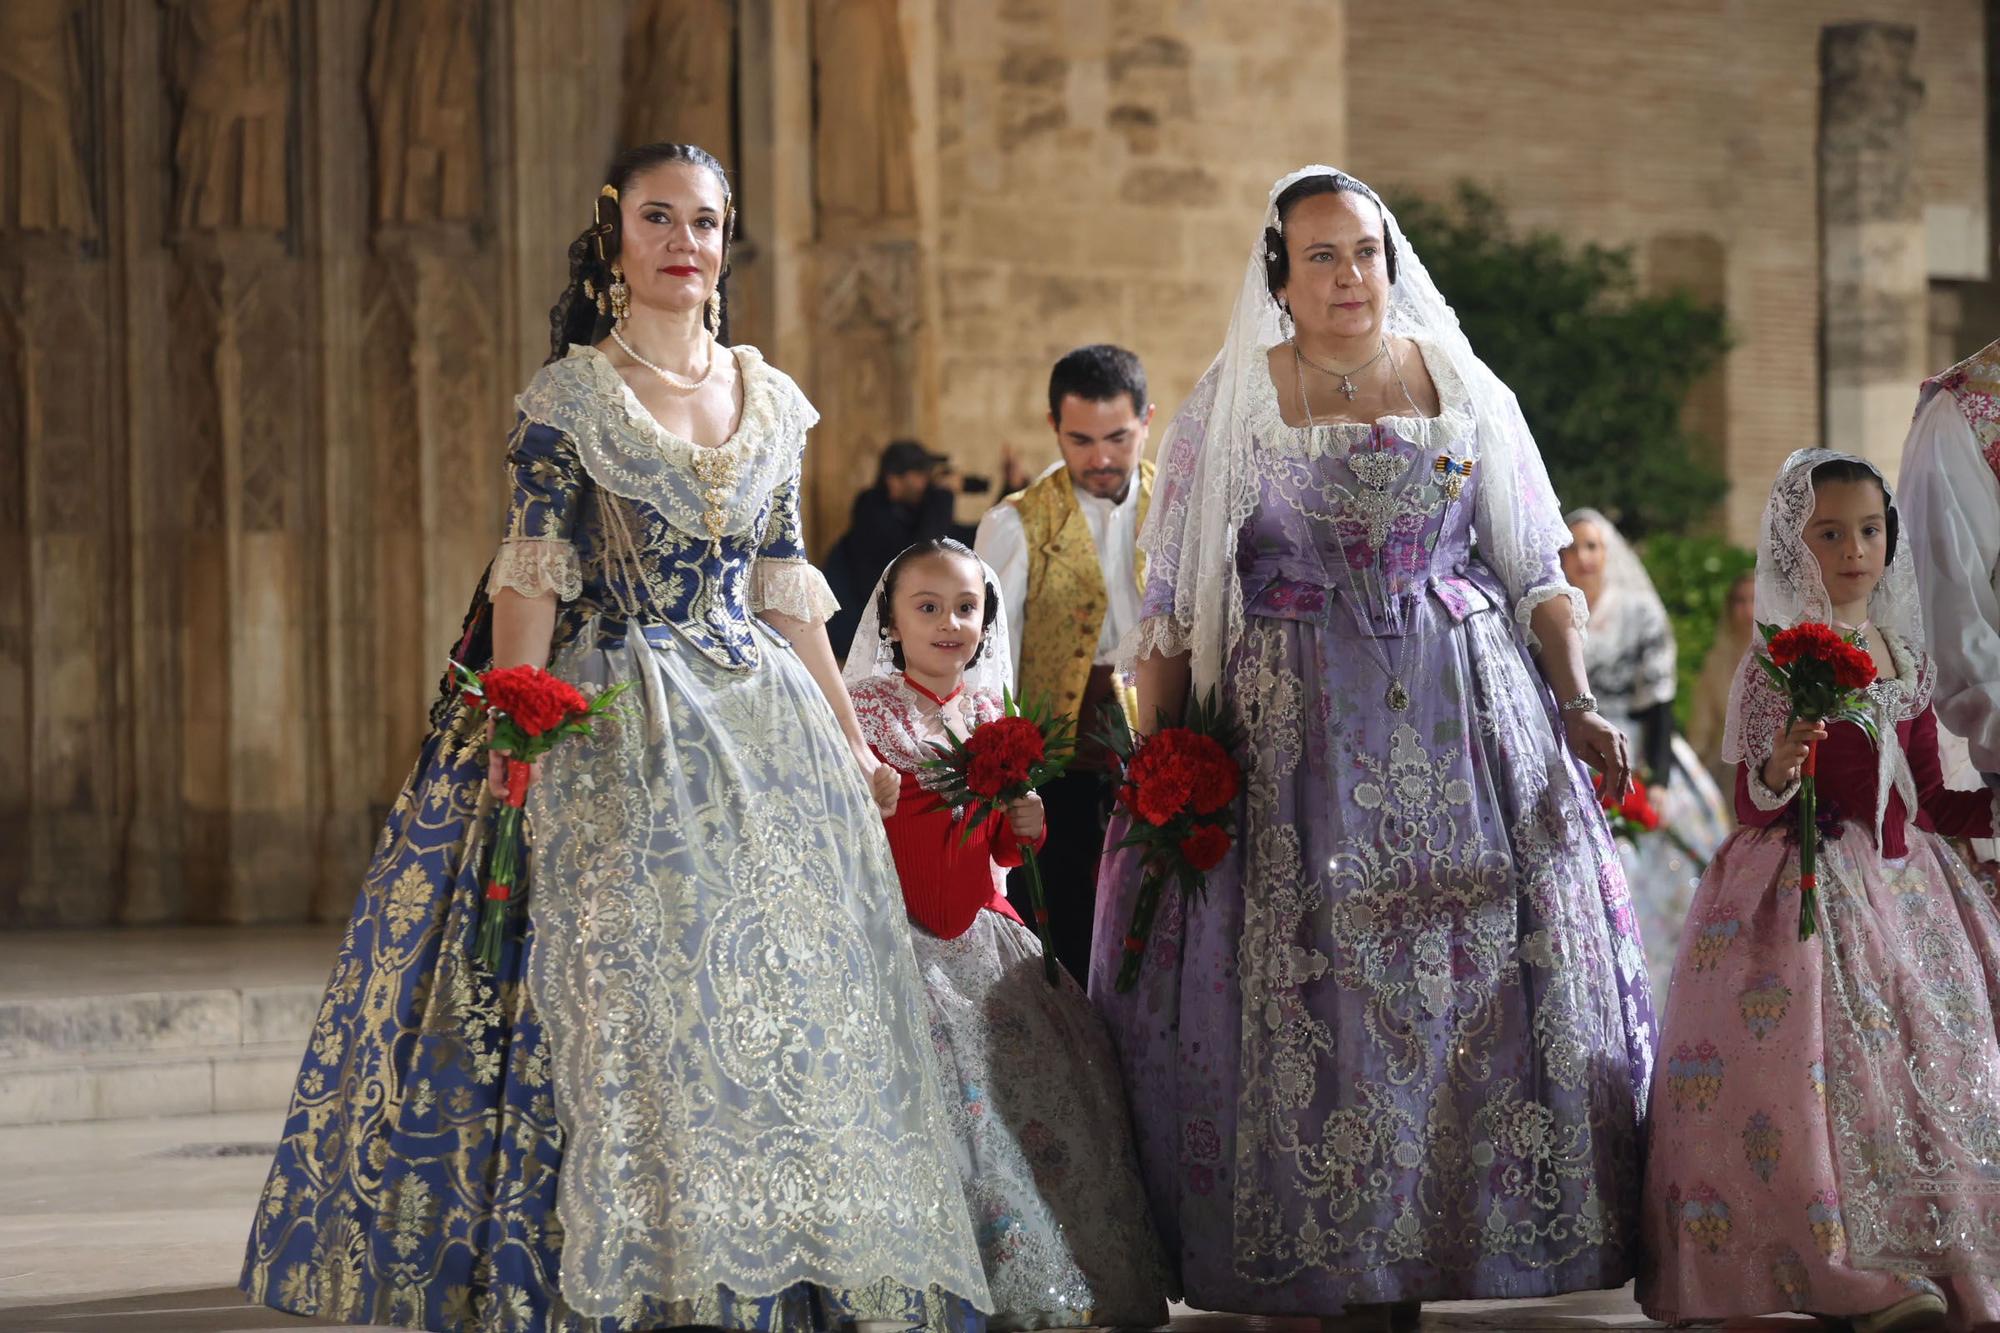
pixel 247 525
pixel 875 208
pixel 61 520
pixel 59 618
pixel 434 442
pixel 680 75
pixel 432 407
pixel 1874 284
pixel 248 544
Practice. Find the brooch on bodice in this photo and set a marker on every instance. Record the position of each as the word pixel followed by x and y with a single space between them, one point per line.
pixel 1375 505
pixel 716 470
pixel 1451 474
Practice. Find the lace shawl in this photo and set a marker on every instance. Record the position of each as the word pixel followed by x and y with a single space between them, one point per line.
pixel 1208 483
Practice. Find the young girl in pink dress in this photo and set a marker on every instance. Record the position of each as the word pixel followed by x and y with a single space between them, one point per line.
pixel 1030 1081
pixel 1825 1123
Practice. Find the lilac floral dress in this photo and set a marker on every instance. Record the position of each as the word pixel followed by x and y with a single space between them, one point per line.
pixel 1399 1048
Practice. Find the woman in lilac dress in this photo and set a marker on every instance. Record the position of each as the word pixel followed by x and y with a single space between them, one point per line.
pixel 1398 1049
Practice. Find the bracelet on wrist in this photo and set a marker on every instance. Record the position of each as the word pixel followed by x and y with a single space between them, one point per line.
pixel 1582 703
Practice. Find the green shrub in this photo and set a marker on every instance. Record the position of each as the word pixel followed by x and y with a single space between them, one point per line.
pixel 1601 369
pixel 1693 575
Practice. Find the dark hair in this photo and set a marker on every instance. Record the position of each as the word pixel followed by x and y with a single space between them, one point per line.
pixel 1097 374
pixel 1837 470
pixel 901 456
pixel 1278 260
pixel 885 618
pixel 575 317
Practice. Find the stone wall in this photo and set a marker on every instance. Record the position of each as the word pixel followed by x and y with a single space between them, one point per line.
pixel 1657 125
pixel 1101 170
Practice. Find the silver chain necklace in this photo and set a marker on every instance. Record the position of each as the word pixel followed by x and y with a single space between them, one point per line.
pixel 1347 385
pixel 678 383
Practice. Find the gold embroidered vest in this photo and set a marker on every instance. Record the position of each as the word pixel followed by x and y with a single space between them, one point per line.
pixel 1067 600
pixel 1975 384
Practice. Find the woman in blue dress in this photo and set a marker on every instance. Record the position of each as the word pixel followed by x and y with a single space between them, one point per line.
pixel 696 1091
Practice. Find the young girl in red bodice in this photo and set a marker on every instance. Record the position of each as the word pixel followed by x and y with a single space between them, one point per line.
pixel 1029 1078
pixel 1825 1116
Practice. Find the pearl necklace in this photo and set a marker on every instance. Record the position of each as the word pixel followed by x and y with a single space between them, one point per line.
pixel 675 382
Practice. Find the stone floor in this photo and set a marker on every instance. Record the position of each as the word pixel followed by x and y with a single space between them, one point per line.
pixel 124 1224
pixel 136 1226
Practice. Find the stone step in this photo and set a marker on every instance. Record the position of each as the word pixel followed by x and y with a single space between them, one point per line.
pixel 183 1080
pixel 48 1027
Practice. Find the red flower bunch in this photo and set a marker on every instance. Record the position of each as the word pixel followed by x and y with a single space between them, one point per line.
pixel 1003 755
pixel 1178 770
pixel 531 711
pixel 532 699
pixel 1821 673
pixel 1635 814
pixel 1205 847
pixel 1846 663
pixel 1179 789
pixel 1000 762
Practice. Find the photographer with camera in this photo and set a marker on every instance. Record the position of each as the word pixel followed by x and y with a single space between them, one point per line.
pixel 911 501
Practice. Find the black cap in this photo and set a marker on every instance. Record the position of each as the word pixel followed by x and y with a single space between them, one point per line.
pixel 901 456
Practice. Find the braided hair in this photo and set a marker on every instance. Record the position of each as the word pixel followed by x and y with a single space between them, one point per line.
pixel 575 317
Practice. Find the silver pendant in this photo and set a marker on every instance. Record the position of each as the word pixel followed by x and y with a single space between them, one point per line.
pixel 1347 387
pixel 1398 698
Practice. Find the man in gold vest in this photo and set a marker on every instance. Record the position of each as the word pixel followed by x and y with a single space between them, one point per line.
pixel 1066 550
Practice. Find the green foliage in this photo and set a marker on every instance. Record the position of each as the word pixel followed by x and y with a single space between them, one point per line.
pixel 1601 370
pixel 1693 576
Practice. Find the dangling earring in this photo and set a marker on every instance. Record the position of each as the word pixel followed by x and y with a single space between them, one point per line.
pixel 620 294
pixel 1285 319
pixel 715 309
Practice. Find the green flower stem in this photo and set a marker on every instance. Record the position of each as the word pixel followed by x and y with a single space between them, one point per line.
pixel 1144 908
pixel 504 871
pixel 1809 846
pixel 1038 904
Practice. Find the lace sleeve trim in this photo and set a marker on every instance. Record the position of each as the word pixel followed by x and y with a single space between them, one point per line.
pixel 1531 601
pixel 534 566
pixel 1155 636
pixel 791 588
pixel 1762 796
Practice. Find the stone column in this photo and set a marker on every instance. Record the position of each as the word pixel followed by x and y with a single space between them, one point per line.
pixel 62 527
pixel 875 205
pixel 243 433
pixel 1873 277
pixel 769 266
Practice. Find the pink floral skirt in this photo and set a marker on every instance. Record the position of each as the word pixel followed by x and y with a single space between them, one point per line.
pixel 1825 1117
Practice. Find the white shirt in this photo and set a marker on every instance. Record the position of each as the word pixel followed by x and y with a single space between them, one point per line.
pixel 1114 526
pixel 1948 501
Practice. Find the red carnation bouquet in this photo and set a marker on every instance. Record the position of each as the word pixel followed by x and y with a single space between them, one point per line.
pixel 1178 786
pixel 999 763
pixel 1822 674
pixel 1632 816
pixel 531 711
pixel 1636 816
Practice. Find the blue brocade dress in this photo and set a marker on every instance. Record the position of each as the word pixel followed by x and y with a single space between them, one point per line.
pixel 697 1092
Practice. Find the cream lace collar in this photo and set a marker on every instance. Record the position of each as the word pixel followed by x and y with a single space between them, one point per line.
pixel 627 452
